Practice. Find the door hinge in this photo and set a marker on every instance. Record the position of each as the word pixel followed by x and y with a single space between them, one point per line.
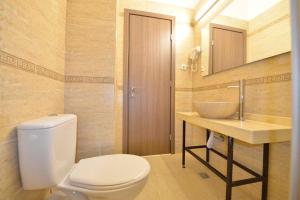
pixel 212 43
pixel 171 37
pixel 170 137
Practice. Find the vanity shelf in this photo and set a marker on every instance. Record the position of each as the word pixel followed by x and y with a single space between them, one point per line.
pixel 249 131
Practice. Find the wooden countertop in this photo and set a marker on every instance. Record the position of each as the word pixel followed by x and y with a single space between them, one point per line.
pixel 250 131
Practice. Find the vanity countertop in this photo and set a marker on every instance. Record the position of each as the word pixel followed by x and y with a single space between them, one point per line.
pixel 250 131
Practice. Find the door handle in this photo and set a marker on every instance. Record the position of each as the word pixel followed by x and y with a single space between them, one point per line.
pixel 132 91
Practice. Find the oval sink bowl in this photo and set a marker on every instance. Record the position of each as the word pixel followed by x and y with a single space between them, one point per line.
pixel 216 110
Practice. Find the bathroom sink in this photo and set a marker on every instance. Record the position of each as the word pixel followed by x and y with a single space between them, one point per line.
pixel 216 110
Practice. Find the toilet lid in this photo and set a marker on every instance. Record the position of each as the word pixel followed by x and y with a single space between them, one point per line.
pixel 109 170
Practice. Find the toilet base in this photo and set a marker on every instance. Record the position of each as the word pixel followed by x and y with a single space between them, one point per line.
pixel 127 193
pixel 70 195
pixel 75 195
pixel 67 195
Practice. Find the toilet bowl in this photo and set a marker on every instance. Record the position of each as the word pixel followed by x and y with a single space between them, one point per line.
pixel 47 159
pixel 116 177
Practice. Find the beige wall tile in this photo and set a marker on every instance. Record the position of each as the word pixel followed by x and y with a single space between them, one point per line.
pixel 91 39
pixel 9 182
pixel 183 103
pixel 24 96
pixel 269 99
pixel 93 104
pixel 24 99
pixel 35 32
pixel 90 46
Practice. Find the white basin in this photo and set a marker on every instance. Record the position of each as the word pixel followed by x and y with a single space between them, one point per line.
pixel 216 110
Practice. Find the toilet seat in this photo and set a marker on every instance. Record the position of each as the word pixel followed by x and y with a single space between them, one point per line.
pixel 109 172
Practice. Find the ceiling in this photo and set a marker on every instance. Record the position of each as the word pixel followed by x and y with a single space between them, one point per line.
pixel 248 9
pixel 182 3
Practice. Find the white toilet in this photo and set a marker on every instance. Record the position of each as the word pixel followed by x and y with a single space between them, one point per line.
pixel 47 159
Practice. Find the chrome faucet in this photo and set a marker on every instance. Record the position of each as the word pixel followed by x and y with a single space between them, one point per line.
pixel 241 87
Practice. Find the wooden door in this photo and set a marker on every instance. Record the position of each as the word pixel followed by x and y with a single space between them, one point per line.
pixel 149 84
pixel 228 47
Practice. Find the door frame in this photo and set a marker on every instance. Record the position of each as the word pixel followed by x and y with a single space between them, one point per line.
pixel 211 27
pixel 127 13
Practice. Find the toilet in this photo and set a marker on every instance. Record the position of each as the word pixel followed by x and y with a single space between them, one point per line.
pixel 47 149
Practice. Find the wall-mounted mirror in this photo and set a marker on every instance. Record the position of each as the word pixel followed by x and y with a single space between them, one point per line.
pixel 245 31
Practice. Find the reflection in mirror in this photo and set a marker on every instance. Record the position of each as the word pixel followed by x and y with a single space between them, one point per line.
pixel 245 31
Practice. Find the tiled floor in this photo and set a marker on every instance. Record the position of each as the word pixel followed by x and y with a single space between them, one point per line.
pixel 168 181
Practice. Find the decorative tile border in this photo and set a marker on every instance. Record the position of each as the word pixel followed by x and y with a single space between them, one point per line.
pixel 253 81
pixel 89 79
pixel 28 66
pixel 42 71
pixel 16 62
pixel 270 79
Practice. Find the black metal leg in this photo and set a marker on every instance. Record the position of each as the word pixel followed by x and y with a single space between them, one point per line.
pixel 183 144
pixel 230 162
pixel 207 150
pixel 264 194
pixel 229 168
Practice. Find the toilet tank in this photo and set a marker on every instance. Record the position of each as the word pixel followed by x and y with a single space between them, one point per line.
pixel 47 149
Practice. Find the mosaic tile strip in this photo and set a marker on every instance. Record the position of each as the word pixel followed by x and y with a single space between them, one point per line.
pixel 253 81
pixel 16 62
pixel 270 79
pixel 49 73
pixel 89 79
pixel 28 66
